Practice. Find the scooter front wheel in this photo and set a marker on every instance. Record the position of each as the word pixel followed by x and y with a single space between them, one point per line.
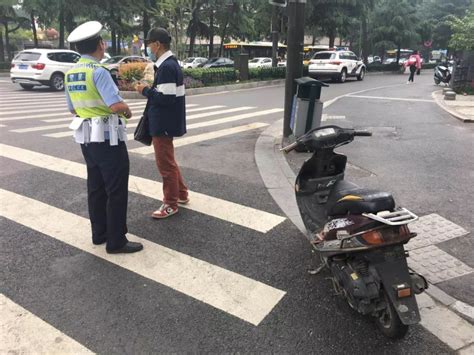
pixel 437 81
pixel 389 322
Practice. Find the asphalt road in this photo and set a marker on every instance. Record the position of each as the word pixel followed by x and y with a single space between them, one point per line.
pixel 197 287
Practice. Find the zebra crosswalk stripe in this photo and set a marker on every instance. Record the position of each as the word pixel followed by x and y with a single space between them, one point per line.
pixel 225 290
pixel 204 137
pixel 248 217
pixel 22 332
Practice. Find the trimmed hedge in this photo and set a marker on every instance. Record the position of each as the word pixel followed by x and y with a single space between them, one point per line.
pixel 392 67
pixel 4 65
pixel 212 76
pixel 267 73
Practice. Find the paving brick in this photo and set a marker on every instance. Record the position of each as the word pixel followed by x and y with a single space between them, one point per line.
pixel 443 266
pixel 433 229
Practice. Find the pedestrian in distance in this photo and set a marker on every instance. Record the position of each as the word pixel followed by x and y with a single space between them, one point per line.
pixel 414 63
pixel 166 112
pixel 99 127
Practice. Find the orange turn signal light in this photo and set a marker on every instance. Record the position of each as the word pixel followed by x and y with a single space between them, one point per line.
pixel 403 290
pixel 373 237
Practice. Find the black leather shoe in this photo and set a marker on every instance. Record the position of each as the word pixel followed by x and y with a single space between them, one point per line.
pixel 130 247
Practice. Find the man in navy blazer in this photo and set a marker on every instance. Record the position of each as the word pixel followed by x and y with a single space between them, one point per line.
pixel 167 118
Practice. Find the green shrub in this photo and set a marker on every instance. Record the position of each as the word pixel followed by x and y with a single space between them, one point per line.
pixel 4 65
pixel 212 76
pixel 267 73
pixel 132 71
pixel 392 67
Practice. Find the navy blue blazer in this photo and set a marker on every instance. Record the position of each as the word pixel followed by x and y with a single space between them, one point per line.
pixel 166 101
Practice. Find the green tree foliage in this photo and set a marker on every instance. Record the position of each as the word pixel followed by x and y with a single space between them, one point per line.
pixel 463 32
pixel 395 25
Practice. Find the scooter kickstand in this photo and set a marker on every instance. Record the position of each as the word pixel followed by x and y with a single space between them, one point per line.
pixel 317 270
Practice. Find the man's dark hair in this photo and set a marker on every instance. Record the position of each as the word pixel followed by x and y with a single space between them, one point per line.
pixel 89 45
pixel 166 46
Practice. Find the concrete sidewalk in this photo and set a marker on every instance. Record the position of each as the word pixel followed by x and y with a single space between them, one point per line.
pixel 462 108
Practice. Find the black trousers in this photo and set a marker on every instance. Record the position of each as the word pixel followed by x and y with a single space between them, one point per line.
pixel 412 73
pixel 108 168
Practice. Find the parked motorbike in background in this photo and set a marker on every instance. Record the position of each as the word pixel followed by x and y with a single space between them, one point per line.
pixel 442 73
pixel 358 233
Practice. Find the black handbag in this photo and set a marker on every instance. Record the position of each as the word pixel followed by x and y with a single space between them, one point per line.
pixel 142 132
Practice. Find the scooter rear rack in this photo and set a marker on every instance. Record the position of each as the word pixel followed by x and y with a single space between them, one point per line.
pixel 395 218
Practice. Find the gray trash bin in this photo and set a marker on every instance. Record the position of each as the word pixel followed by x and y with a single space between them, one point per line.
pixel 307 108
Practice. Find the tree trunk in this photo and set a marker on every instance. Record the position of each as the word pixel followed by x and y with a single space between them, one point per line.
pixel 33 28
pixel 2 48
pixel 211 34
pixel 119 35
pixel 332 39
pixel 7 43
pixel 313 41
pixel 223 34
pixel 61 26
pixel 365 40
pixel 113 39
pixel 398 53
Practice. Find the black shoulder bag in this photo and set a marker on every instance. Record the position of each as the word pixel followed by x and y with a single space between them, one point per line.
pixel 142 132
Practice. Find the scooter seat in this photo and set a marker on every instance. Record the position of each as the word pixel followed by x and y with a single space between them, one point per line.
pixel 348 198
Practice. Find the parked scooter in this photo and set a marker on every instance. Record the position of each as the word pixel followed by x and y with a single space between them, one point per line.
pixel 358 233
pixel 442 74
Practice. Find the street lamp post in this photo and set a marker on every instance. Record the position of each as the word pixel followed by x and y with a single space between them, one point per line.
pixel 294 57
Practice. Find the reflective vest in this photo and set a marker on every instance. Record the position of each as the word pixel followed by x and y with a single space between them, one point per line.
pixel 84 95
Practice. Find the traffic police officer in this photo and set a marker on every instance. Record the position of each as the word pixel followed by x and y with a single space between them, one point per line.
pixel 99 126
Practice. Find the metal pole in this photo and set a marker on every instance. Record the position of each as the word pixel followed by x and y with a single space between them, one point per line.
pixel 294 57
pixel 274 36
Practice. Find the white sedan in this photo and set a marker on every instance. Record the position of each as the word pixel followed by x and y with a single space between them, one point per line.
pixel 261 62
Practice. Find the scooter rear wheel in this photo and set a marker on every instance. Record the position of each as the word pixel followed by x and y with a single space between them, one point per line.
pixel 389 322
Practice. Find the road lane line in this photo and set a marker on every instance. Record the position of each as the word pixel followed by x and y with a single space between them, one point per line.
pixel 15 112
pixel 133 125
pixel 443 323
pixel 389 98
pixel 24 333
pixel 135 110
pixel 13 118
pixel 228 211
pixel 204 137
pixel 221 112
pixel 41 128
pixel 225 290
pixel 204 108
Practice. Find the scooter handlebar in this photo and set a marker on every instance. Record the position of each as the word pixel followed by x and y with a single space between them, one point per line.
pixel 362 133
pixel 290 147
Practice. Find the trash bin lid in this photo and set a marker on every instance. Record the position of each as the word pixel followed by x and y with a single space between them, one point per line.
pixel 307 81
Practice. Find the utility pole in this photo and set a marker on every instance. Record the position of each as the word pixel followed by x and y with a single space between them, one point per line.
pixel 294 57
pixel 274 36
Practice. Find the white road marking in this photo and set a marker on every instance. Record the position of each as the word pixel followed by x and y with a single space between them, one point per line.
pixel 137 114
pixel 41 128
pixel 134 124
pixel 231 212
pixel 221 112
pixel 43 115
pixel 21 332
pixel 444 323
pixel 204 137
pixel 2 125
pixel 204 108
pixel 218 121
pixel 225 290
pixel 389 98
pixel 15 112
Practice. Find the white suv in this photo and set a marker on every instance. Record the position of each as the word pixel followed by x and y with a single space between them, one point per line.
pixel 337 65
pixel 35 67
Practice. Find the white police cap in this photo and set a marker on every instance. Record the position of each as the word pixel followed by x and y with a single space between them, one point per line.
pixel 85 31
